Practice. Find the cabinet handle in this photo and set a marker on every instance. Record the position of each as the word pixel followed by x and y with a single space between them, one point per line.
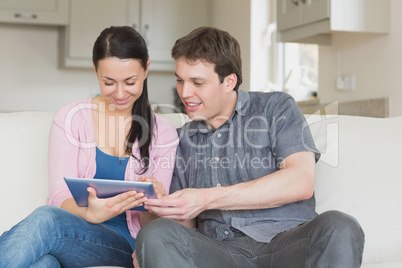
pixel 25 16
pixel 295 2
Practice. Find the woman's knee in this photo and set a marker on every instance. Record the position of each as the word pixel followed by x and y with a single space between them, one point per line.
pixel 46 214
pixel 38 226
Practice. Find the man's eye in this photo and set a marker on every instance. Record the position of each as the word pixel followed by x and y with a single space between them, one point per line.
pixel 179 81
pixel 197 84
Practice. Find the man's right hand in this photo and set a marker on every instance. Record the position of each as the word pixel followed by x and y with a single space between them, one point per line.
pixel 182 205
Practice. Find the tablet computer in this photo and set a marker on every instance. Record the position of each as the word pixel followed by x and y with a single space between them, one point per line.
pixel 107 188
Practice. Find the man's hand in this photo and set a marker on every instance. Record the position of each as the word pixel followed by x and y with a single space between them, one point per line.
pixel 182 205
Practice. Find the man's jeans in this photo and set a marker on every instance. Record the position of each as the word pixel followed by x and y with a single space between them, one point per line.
pixel 54 237
pixel 332 239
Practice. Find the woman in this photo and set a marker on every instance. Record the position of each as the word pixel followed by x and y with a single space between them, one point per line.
pixel 113 136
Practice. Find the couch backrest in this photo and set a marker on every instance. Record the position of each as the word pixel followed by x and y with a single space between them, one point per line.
pixel 359 173
pixel 23 164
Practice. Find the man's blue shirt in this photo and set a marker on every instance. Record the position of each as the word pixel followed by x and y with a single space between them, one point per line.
pixel 264 129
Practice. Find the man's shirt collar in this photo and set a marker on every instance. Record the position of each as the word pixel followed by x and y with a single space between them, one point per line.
pixel 241 108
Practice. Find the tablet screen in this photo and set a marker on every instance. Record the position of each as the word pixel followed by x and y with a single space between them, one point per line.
pixel 106 188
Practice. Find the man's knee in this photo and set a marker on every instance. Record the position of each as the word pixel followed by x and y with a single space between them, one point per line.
pixel 157 230
pixel 341 226
pixel 161 237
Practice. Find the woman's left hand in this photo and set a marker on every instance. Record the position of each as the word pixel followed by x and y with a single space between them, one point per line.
pixel 159 189
pixel 146 216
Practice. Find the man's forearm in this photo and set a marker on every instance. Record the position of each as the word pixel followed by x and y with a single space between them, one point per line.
pixel 294 182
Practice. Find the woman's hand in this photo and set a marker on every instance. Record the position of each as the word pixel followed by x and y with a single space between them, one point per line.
pixel 135 261
pixel 159 189
pixel 103 209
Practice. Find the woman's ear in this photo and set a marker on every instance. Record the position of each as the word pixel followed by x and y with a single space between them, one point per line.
pixel 230 82
pixel 146 71
pixel 93 64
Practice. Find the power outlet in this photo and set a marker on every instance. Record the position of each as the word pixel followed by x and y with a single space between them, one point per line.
pixel 346 82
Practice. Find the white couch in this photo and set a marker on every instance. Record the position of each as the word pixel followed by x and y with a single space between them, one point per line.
pixel 358 174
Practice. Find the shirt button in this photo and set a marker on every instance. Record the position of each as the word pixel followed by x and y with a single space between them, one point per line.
pixel 219 135
pixel 217 158
pixel 218 185
pixel 226 233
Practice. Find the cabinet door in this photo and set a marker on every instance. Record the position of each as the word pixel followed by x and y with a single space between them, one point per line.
pixel 288 14
pixel 164 21
pixel 50 12
pixel 314 10
pixel 88 19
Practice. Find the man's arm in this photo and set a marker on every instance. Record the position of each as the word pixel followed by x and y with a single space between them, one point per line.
pixel 293 182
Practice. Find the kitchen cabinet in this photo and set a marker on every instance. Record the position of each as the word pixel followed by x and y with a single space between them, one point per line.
pixel 313 21
pixel 160 22
pixel 45 12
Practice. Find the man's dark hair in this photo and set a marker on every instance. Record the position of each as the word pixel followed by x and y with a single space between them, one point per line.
pixel 214 46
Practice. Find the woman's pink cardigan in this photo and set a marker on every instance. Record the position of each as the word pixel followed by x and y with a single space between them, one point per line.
pixel 72 151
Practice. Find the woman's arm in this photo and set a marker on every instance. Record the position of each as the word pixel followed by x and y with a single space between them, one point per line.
pixel 72 154
pixel 64 148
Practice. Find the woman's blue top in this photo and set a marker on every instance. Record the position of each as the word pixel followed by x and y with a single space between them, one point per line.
pixel 113 168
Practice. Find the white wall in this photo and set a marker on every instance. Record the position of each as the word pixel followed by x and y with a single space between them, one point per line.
pixel 376 60
pixel 32 80
pixel 259 51
pixel 233 16
pixel 246 20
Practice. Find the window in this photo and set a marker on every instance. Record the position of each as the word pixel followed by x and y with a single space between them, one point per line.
pixel 300 70
pixel 293 67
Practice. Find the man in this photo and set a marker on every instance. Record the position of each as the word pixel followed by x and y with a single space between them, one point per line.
pixel 242 190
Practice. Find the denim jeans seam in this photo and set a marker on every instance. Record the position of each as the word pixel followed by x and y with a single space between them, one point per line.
pixel 90 242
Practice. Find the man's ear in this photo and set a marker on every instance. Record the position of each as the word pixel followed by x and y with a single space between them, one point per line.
pixel 230 82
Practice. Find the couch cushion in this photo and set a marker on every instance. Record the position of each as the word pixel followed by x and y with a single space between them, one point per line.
pixel 360 174
pixel 23 164
pixel 382 265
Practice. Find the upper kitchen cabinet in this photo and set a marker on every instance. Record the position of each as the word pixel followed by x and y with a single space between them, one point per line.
pixel 313 21
pixel 160 22
pixel 46 12
pixel 87 19
pixel 164 21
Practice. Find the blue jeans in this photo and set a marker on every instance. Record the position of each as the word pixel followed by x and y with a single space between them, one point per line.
pixel 54 237
pixel 333 239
